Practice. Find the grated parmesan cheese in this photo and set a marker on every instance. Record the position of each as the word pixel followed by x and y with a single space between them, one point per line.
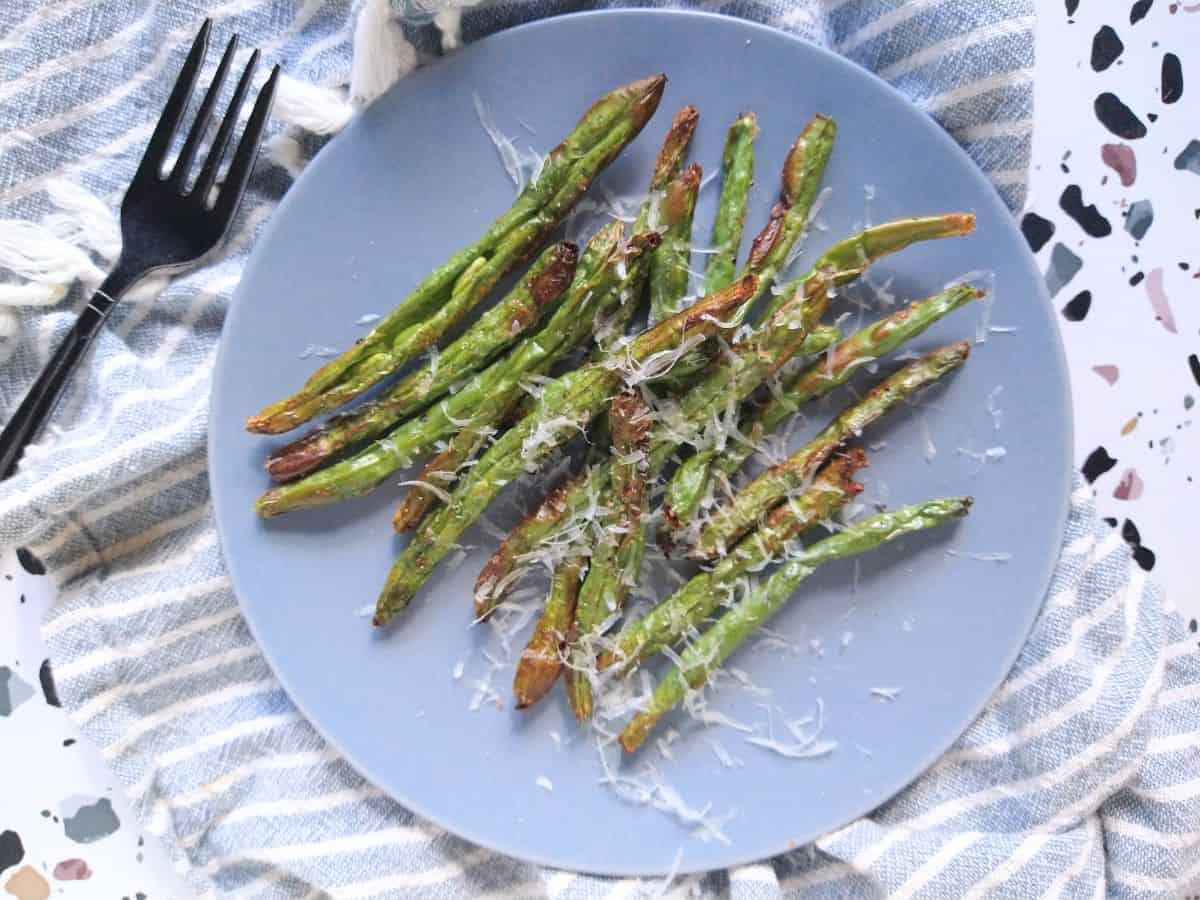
pixel 544 783
pixel 993 407
pixel 484 692
pixel 650 789
pixel 460 423
pixel 808 743
pixel 984 326
pixel 727 759
pixel 438 492
pixel 455 560
pixel 929 448
pixel 514 161
pixel 318 350
pixel 982 557
pixel 694 705
pixel 883 294
pixel 656 365
pixel 991 454
pixel 772 640
pixel 621 206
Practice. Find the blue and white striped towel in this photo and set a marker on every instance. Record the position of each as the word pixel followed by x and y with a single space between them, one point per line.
pixel 1081 778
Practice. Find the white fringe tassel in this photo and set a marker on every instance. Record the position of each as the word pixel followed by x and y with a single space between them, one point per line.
pixel 304 107
pixel 449 23
pixel 49 257
pixel 284 150
pixel 321 110
pixel 382 55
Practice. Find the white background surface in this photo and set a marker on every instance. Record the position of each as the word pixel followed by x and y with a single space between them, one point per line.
pixel 1120 329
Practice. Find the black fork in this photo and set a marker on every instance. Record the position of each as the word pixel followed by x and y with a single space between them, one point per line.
pixel 164 225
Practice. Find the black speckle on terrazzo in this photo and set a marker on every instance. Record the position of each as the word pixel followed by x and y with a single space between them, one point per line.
pixel 1077 307
pixel 1136 279
pixel 69 742
pixel 1139 219
pixel 1172 78
pixel 1072 5
pixel 1143 556
pixel 1193 626
pixel 1117 117
pixel 1194 365
pixel 46 677
pixel 1130 533
pixel 1036 230
pixel 12 851
pixel 1106 47
pixel 1138 11
pixel 1086 215
pixel 1097 463
pixel 29 562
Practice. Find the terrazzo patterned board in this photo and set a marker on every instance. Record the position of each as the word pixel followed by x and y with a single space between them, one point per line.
pixel 1133 348
pixel 1114 217
pixel 65 828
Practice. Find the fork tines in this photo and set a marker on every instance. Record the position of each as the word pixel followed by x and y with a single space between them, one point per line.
pixel 153 162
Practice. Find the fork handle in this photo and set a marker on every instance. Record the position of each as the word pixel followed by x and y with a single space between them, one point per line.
pixel 45 392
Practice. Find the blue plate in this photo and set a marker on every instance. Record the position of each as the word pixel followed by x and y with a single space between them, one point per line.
pixel 413 179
